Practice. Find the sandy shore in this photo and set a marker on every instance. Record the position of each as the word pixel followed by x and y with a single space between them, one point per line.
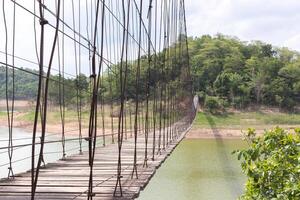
pixel 71 128
pixel 206 133
pixel 227 133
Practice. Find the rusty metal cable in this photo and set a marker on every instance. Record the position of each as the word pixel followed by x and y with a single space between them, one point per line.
pixel 96 83
pixel 9 108
pixel 147 128
pixel 137 85
pixel 77 72
pixel 61 89
pixel 43 22
pixel 144 64
pixel 122 79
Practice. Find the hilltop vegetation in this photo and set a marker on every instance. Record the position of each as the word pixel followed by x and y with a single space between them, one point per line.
pixel 225 72
pixel 26 85
pixel 229 72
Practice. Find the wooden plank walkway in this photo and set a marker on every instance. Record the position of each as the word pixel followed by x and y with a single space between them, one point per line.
pixel 68 178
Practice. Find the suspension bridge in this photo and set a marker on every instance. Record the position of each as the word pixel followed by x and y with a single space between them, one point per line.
pixel 121 66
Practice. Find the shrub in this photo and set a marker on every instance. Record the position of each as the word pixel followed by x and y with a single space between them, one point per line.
pixel 213 104
pixel 288 104
pixel 272 165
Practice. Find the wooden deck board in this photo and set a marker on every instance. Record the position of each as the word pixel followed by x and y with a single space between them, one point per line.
pixel 68 178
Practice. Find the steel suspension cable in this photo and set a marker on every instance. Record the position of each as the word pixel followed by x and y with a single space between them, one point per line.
pixel 161 80
pixel 126 66
pixel 60 90
pixel 123 77
pixel 9 109
pixel 109 76
pixel 80 89
pixel 78 80
pixel 154 108
pixel 42 23
pixel 96 83
pixel 148 85
pixel 137 85
pixel 40 159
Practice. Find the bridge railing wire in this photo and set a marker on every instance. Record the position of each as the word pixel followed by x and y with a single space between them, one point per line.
pixel 135 61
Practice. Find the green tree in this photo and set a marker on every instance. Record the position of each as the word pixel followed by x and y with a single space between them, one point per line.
pixel 272 165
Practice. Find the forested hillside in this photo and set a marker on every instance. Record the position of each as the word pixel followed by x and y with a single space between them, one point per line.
pixel 230 72
pixel 226 72
pixel 25 83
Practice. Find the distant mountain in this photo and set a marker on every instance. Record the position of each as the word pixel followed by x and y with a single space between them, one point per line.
pixel 26 84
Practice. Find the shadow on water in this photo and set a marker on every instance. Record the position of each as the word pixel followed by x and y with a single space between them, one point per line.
pixel 226 167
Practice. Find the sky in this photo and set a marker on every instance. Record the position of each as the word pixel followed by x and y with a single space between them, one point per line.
pixel 271 21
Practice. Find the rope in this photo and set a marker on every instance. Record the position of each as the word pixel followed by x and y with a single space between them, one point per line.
pixel 34 29
pixel 102 106
pixel 134 170
pixel 8 109
pixel 148 85
pixel 138 62
pixel 43 22
pixel 123 77
pixel 61 88
pixel 93 113
pixel 105 60
pixel 78 92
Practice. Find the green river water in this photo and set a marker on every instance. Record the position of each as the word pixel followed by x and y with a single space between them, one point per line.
pixel 198 169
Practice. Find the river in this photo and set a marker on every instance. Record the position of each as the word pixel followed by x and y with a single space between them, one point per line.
pixel 198 169
pixel 22 155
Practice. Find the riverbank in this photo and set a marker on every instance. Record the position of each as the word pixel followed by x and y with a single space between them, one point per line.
pixel 24 117
pixel 71 129
pixel 229 125
pixel 211 133
pixel 233 124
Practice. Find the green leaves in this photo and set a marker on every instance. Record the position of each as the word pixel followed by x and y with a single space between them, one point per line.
pixel 272 164
pixel 213 104
pixel 243 73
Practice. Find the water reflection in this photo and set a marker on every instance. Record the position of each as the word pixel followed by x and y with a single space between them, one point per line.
pixel 198 169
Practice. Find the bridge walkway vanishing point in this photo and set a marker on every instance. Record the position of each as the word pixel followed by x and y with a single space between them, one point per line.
pixel 68 178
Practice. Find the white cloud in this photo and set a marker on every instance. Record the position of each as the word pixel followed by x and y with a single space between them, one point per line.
pixel 272 21
pixel 293 42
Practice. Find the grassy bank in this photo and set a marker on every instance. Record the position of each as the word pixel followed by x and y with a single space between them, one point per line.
pixel 25 118
pixel 3 114
pixel 243 120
